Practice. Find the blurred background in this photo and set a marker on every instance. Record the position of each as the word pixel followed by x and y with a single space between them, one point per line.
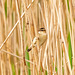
pixel 20 21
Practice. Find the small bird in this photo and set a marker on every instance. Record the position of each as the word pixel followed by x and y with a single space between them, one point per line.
pixel 42 36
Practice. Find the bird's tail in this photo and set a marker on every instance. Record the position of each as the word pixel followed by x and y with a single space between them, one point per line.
pixel 29 49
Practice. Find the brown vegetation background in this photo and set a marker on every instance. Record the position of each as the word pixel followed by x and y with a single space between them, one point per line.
pixel 19 24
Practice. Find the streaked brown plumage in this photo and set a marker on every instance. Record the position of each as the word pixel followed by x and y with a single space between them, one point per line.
pixel 42 36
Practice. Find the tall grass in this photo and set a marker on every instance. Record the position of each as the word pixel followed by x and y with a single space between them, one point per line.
pixel 20 21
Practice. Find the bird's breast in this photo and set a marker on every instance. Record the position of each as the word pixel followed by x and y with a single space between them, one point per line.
pixel 42 38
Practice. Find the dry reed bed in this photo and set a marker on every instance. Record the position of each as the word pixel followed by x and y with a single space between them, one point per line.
pixel 19 24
